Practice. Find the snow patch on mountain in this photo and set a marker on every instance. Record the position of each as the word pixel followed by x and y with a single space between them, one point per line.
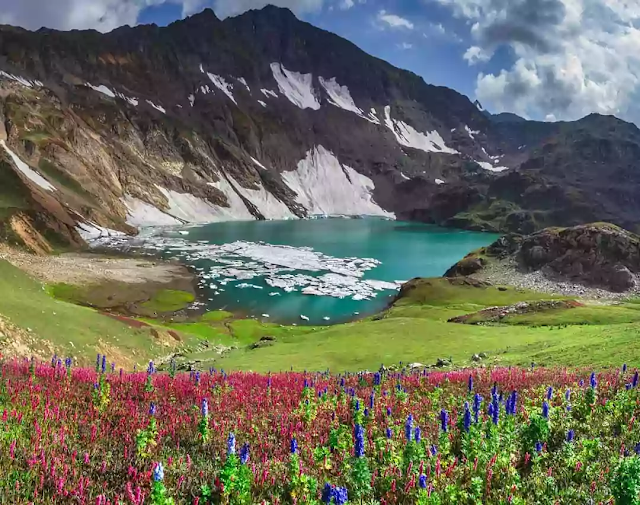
pixel 267 204
pixel 408 136
pixel 268 93
pixel 21 80
pixel 340 96
pixel 237 208
pixel 298 88
pixel 471 132
pixel 222 85
pixel 157 107
pixel 324 186
pixel 439 181
pixel 141 214
pixel 192 99
pixel 490 167
pixel 90 231
pixel 101 89
pixel 27 171
pixel 243 81
pixel 257 163
pixel 262 103
pixel 192 209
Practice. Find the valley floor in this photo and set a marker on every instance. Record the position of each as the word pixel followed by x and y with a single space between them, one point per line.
pixel 147 323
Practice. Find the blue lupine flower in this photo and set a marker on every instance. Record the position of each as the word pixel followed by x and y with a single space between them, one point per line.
pixel 150 368
pixel 294 446
pixel 269 382
pixel 549 393
pixel 327 493
pixel 494 389
pixel 467 417
pixel 433 449
pixel 545 410
pixel 205 408
pixel 104 364
pixel 357 405
pixel 366 412
pixel 67 362
pixel 477 402
pixel 377 379
pixel 444 420
pixel 95 385
pixel 372 400
pixel 389 433
pixel 158 473
pixel 624 368
pixel 422 481
pixel 538 447
pixel 53 360
pixel 342 382
pixel 593 381
pixel 408 428
pixel 635 379
pixel 637 449
pixel 244 453
pixel 197 378
pixel 495 414
pixel 113 367
pixel 152 409
pixel 231 444
pixel 570 436
pixel 417 434
pixel 567 395
pixel 359 446
pixel 470 383
pixel 388 411
pixel 627 386
pixel 97 362
pixel 340 496
pixel 514 402
pixel 581 383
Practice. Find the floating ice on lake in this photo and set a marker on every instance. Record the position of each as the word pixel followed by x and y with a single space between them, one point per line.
pixel 304 318
pixel 326 318
pixel 183 232
pixel 265 315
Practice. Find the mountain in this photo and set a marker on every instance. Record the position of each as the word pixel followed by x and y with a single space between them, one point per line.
pixel 263 116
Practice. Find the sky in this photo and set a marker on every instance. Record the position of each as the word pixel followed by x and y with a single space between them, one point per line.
pixel 542 59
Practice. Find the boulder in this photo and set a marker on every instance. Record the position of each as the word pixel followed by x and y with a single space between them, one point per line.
pixel 467 266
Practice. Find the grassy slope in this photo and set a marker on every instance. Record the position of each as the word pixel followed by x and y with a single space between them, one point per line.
pixel 416 330
pixel 26 303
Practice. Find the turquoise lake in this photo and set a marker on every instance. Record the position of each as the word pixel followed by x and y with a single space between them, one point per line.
pixel 319 271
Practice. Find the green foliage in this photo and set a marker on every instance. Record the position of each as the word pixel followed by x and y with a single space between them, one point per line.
pixel 147 439
pixel 169 300
pixel 625 485
pixel 235 482
pixel 159 494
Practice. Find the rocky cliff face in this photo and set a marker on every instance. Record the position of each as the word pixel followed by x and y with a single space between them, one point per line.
pixel 263 116
pixel 598 255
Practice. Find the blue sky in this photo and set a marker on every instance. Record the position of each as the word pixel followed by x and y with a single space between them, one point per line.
pixel 543 59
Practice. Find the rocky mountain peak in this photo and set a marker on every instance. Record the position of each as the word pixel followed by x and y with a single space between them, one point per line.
pixel 263 116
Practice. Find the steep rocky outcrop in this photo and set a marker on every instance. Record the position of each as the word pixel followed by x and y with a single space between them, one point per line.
pixel 263 116
pixel 597 255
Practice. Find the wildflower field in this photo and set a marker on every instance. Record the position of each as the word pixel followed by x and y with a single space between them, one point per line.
pixel 102 436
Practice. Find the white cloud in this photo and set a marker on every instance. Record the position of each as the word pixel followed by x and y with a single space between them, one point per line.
pixel 224 8
pixel 103 15
pixel 394 21
pixel 405 45
pixel 571 57
pixel 346 4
